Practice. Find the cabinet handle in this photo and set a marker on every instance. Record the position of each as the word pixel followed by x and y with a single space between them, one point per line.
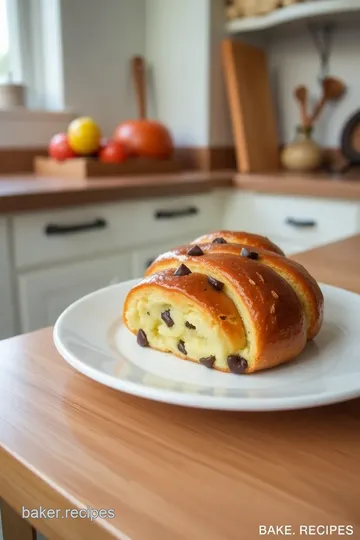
pixel 300 222
pixel 182 212
pixel 58 230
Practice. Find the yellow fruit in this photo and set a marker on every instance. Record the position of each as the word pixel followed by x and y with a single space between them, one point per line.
pixel 84 136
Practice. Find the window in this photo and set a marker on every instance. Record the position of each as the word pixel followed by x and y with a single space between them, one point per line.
pixel 10 64
pixel 4 42
pixel 31 50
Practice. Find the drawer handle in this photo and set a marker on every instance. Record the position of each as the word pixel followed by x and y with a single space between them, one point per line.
pixel 57 230
pixel 301 222
pixel 182 212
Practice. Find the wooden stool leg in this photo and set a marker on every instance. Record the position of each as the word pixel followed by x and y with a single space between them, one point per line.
pixel 13 526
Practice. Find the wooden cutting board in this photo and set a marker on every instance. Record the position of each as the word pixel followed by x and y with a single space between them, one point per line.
pixel 251 107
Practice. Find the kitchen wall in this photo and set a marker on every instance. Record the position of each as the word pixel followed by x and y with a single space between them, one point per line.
pixel 220 132
pixel 187 91
pixel 186 87
pixel 293 60
pixel 99 38
pixel 177 50
pixel 32 129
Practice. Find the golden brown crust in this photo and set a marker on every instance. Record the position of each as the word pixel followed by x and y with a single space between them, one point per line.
pixel 272 313
pixel 296 275
pixel 240 237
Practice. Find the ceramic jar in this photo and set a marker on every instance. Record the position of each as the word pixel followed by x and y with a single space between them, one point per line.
pixel 303 153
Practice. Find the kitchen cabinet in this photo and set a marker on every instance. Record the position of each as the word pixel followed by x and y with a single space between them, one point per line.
pixel 48 237
pixel 294 223
pixel 7 300
pixel 62 255
pixel 44 294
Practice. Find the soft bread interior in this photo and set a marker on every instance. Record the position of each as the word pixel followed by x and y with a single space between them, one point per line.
pixel 203 336
pixel 232 291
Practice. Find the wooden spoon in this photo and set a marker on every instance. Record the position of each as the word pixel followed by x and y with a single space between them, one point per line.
pixel 301 96
pixel 333 89
pixel 139 76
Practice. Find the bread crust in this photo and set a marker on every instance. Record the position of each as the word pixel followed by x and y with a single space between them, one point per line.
pixel 273 316
pixel 240 237
pixel 295 274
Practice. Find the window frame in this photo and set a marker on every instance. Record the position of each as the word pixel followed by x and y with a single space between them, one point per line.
pixel 14 31
pixel 36 51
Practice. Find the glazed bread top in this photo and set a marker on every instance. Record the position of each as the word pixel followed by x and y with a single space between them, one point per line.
pixel 297 276
pixel 238 237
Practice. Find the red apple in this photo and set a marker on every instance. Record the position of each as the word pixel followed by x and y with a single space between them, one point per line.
pixel 59 147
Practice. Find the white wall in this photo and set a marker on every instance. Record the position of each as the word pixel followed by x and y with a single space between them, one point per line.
pixel 220 131
pixel 99 39
pixel 177 46
pixel 32 129
pixel 293 60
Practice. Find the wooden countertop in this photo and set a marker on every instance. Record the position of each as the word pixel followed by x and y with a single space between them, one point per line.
pixel 31 192
pixel 315 185
pixel 172 473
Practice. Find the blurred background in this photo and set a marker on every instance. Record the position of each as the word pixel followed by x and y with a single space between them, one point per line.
pixel 130 126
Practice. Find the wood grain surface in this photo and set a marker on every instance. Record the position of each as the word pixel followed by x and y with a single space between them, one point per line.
pixel 251 107
pixel 25 193
pixel 168 472
pixel 31 193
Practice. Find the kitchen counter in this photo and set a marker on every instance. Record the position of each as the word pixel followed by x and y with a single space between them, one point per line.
pixel 22 193
pixel 31 192
pixel 315 185
pixel 168 472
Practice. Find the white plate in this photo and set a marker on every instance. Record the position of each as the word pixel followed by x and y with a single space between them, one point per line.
pixel 91 337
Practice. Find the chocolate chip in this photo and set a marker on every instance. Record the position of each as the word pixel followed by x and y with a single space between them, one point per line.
pixel 216 284
pixel 249 254
pixel 181 347
pixel 166 317
pixel 208 361
pixel 237 364
pixel 148 313
pixel 223 317
pixel 219 241
pixel 182 270
pixel 142 339
pixel 190 326
pixel 196 251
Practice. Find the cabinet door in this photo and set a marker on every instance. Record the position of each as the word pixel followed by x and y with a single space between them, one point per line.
pixel 142 258
pixel 7 300
pixel 44 294
pixel 294 223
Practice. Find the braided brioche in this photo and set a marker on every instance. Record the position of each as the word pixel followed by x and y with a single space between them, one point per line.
pixel 238 237
pixel 230 306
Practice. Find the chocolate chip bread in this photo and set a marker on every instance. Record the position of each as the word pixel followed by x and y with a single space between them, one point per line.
pixel 230 301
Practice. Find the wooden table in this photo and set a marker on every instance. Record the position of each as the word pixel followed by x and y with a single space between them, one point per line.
pixel 171 473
